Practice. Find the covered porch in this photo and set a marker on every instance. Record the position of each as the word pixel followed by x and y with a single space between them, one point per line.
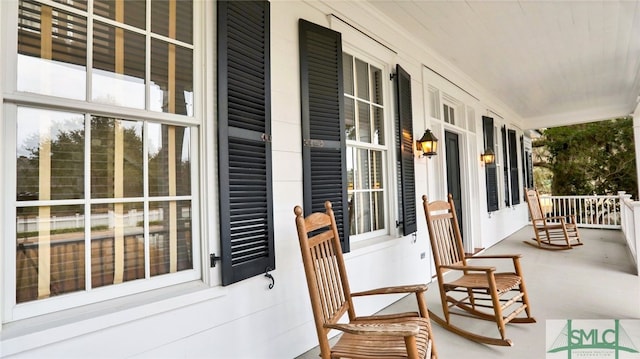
pixel 595 281
pixel 481 74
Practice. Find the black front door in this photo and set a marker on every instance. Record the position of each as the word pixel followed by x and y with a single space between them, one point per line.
pixel 454 187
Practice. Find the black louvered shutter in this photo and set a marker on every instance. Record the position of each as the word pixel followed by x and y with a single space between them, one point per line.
pixel 513 167
pixel 324 142
pixel 523 154
pixel 244 140
pixel 505 166
pixel 404 141
pixel 530 169
pixel 491 171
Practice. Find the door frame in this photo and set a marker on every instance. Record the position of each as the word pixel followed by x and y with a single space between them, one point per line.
pixel 466 173
pixel 457 195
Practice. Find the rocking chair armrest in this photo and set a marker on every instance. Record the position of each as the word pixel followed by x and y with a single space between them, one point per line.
pixel 471 268
pixel 392 329
pixel 417 288
pixel 515 258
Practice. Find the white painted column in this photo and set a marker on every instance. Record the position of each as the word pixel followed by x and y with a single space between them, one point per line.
pixel 636 136
pixel 635 246
pixel 636 205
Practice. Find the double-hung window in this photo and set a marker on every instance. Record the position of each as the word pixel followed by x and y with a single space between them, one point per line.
pixel 366 147
pixel 101 144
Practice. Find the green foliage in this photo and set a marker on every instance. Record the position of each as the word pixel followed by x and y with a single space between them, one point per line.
pixel 543 179
pixel 592 158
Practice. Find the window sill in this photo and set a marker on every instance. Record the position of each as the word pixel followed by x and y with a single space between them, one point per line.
pixel 373 244
pixel 39 331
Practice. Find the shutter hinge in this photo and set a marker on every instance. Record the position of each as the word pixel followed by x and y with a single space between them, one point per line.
pixel 392 76
pixel 314 143
pixel 213 258
pixel 398 223
pixel 266 137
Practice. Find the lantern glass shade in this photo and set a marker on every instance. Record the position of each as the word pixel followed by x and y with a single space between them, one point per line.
pixel 428 144
pixel 488 157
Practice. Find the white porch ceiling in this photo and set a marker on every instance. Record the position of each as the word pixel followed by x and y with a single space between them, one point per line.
pixel 551 62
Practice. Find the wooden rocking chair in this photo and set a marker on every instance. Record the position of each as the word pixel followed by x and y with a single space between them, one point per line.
pixel 552 232
pixel 479 291
pixel 403 335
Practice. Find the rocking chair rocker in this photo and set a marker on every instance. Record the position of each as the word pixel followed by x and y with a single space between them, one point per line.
pixel 401 335
pixel 502 296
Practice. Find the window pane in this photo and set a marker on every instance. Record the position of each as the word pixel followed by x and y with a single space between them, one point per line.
pixel 376 85
pixel 350 118
pixel 170 236
pixel 184 81
pixel 446 113
pixel 347 73
pixel 378 126
pixel 377 178
pixel 351 154
pixel 116 158
pixel 167 78
pixel 51 51
pixel 363 212
pixel 352 213
pixel 130 12
pixel 363 176
pixel 378 210
pixel 182 28
pixel 119 66
pixel 117 243
pixel 452 117
pixel 364 122
pixel 50 155
pixel 362 79
pixel 169 160
pixel 49 252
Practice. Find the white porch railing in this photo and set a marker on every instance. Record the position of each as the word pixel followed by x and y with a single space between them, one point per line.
pixel 590 211
pixel 605 212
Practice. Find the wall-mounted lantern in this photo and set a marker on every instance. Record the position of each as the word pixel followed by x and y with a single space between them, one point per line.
pixel 488 157
pixel 428 144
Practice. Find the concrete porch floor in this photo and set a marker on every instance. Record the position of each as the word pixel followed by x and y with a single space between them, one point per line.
pixel 593 281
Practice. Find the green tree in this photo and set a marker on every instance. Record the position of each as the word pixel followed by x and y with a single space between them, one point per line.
pixel 590 158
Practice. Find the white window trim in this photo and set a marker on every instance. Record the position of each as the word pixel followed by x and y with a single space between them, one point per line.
pixel 390 197
pixel 465 111
pixel 376 52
